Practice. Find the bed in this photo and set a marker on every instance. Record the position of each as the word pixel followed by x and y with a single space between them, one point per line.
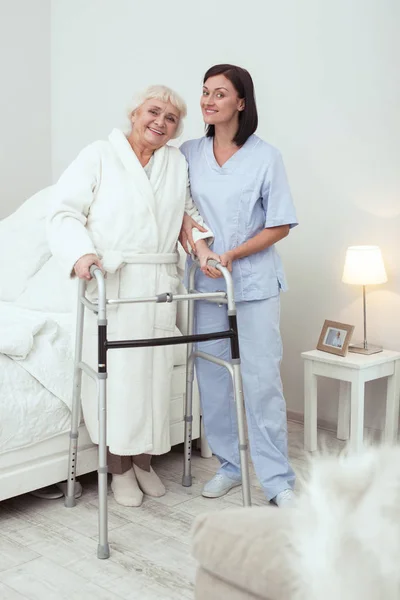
pixel 36 361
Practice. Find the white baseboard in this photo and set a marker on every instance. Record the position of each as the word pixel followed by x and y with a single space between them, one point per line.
pixel 298 417
pixel 331 426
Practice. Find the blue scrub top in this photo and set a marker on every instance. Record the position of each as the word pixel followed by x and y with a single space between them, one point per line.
pixel 237 201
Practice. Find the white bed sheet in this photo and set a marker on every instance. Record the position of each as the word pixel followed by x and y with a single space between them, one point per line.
pixel 33 414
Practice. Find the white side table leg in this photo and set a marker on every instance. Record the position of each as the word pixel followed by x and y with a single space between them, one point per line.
pixel 310 407
pixel 343 426
pixel 392 405
pixel 357 413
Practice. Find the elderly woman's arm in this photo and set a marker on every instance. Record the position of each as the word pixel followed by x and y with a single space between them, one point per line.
pixel 68 237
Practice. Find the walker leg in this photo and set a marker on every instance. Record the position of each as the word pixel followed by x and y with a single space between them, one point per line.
pixel 205 449
pixel 243 446
pixel 187 470
pixel 187 466
pixel 70 501
pixel 103 549
pixel 240 408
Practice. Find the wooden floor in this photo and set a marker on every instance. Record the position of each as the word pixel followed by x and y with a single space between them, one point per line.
pixel 48 552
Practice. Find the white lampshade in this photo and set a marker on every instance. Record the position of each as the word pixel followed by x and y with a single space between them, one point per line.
pixel 364 266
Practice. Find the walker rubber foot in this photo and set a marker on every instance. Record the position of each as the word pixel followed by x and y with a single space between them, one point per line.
pixel 69 501
pixel 187 480
pixel 103 551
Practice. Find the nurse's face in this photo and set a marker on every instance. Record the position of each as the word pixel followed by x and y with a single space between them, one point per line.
pixel 220 103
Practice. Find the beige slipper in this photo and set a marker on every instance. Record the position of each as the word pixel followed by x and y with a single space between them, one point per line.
pixel 149 482
pixel 126 490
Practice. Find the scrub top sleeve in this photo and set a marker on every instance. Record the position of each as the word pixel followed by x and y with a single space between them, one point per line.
pixel 192 211
pixel 276 196
pixel 184 148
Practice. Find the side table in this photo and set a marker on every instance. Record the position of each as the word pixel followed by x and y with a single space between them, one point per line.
pixel 353 371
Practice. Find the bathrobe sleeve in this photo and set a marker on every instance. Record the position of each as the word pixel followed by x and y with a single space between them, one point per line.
pixel 192 211
pixel 74 193
pixel 276 196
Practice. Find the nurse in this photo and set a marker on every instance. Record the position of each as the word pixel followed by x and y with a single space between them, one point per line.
pixel 239 185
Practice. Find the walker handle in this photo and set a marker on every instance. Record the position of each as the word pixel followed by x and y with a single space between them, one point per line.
pixel 228 280
pixel 98 274
pixel 93 269
pixel 213 263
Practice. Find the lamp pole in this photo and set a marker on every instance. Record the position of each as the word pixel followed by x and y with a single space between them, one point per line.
pixel 365 319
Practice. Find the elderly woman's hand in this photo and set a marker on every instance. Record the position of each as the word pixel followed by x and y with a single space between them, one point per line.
pixel 186 234
pixel 204 254
pixel 82 266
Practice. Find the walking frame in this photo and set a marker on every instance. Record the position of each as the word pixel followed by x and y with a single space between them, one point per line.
pixel 104 345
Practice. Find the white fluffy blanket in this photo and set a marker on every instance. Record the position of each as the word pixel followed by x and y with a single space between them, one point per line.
pixel 35 301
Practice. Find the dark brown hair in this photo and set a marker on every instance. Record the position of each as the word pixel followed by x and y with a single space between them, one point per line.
pixel 243 84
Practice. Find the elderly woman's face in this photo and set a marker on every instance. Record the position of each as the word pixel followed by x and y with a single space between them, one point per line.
pixel 155 122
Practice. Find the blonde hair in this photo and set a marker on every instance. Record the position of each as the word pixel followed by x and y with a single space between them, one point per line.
pixel 165 94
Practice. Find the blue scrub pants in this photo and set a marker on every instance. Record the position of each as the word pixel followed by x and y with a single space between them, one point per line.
pixel 261 354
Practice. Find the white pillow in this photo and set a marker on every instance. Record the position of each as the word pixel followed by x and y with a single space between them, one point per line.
pixel 49 290
pixel 23 244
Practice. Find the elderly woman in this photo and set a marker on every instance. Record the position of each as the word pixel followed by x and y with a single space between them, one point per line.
pixel 120 205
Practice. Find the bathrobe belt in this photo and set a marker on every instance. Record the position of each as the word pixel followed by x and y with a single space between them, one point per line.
pixel 112 260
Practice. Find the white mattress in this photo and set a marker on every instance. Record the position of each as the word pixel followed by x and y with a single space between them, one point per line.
pixel 34 414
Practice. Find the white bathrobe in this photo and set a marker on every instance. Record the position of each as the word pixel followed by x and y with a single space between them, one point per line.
pixel 105 204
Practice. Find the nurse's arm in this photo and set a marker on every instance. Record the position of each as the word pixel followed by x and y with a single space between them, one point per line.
pixel 267 237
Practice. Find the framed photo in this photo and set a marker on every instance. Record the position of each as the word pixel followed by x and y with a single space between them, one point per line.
pixel 335 338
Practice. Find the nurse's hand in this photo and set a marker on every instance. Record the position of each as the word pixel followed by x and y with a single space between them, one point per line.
pixel 227 259
pixel 83 265
pixel 186 233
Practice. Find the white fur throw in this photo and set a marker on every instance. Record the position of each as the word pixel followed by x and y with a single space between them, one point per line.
pixel 346 528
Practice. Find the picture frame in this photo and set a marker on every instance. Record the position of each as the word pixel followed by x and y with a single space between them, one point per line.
pixel 335 337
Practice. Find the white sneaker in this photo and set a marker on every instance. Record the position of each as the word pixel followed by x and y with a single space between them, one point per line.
pixel 219 485
pixel 283 499
pixel 126 489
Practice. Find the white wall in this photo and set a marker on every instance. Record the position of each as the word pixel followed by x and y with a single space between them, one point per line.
pixel 25 111
pixel 328 89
